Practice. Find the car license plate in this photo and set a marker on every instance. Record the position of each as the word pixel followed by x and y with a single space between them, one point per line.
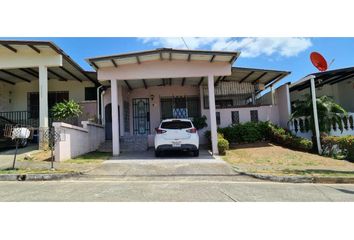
pixel 176 144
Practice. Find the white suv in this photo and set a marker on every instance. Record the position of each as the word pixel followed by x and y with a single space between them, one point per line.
pixel 176 134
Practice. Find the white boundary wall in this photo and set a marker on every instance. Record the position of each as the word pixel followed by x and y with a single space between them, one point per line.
pixel 78 140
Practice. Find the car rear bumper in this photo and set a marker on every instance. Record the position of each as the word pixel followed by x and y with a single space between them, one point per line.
pixel 183 147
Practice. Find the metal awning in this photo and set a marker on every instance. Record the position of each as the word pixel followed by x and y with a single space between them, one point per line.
pixel 254 76
pixel 322 78
pixel 240 75
pixel 69 71
pixel 162 54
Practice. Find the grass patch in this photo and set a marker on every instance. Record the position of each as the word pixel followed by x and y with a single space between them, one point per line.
pixel 92 157
pixel 33 171
pixel 276 160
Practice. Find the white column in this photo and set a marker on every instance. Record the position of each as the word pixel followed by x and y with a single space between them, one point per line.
pixel 315 116
pixel 115 123
pixel 43 105
pixel 212 111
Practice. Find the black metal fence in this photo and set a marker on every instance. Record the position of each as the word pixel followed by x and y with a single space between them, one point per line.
pixel 31 118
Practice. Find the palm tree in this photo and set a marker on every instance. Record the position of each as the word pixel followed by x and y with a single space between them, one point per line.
pixel 328 113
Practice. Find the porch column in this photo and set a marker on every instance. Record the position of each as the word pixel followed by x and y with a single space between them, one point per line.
pixel 115 123
pixel 315 116
pixel 212 112
pixel 43 103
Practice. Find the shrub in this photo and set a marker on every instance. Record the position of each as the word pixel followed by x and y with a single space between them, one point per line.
pixel 339 147
pixel 223 145
pixel 200 122
pixel 65 110
pixel 253 132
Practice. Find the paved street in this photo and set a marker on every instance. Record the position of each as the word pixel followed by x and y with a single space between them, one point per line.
pixel 172 189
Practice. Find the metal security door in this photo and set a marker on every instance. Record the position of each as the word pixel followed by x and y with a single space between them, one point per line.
pixel 141 116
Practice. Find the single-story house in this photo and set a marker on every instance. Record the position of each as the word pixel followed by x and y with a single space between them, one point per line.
pixel 34 75
pixel 338 84
pixel 145 87
pixel 130 93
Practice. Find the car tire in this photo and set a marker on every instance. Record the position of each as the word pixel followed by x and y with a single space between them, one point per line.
pixel 196 153
pixel 157 153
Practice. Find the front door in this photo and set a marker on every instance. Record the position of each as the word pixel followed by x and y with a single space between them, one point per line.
pixel 141 116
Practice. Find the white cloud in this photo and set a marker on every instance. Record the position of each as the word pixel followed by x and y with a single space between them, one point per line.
pixel 249 47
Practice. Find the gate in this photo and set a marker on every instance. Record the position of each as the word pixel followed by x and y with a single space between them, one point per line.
pixel 141 116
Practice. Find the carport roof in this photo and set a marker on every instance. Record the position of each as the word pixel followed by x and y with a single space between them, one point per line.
pixel 69 70
pixel 162 54
pixel 238 74
pixel 322 78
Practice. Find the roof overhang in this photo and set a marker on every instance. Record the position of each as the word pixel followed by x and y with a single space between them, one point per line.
pixel 19 61
pixel 323 78
pixel 162 54
pixel 238 74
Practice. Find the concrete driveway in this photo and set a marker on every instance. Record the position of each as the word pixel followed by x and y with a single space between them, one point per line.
pixel 170 164
pixel 7 155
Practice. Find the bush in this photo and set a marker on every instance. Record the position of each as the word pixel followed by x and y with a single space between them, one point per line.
pixel 223 145
pixel 65 110
pixel 285 138
pixel 339 147
pixel 251 132
pixel 200 122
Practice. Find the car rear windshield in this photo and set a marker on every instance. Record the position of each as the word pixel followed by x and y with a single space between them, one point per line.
pixel 176 125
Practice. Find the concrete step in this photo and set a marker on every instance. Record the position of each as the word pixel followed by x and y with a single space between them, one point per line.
pixel 127 144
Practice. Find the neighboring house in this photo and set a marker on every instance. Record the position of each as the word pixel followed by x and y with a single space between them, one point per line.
pixel 338 84
pixel 34 75
pixel 145 87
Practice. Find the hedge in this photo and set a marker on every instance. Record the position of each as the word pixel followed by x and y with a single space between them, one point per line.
pixel 251 132
pixel 223 144
pixel 338 147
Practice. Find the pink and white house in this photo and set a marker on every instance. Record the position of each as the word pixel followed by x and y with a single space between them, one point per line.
pixel 142 88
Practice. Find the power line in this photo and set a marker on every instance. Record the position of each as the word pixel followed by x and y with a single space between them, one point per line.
pixel 185 43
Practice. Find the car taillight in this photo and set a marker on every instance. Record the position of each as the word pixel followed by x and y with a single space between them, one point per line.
pixel 192 130
pixel 160 131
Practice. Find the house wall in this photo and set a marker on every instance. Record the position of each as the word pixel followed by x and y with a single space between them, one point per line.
pixel 76 141
pixel 346 94
pixel 75 88
pixel 282 101
pixel 342 93
pixel 5 96
pixel 157 92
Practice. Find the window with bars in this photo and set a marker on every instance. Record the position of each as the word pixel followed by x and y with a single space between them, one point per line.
pixel 180 107
pixel 235 117
pixel 254 115
pixel 218 118
pixel 53 98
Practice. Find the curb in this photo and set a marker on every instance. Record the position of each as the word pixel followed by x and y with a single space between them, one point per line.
pixel 37 177
pixel 297 179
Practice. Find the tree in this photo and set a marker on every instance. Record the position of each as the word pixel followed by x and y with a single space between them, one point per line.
pixel 66 110
pixel 328 112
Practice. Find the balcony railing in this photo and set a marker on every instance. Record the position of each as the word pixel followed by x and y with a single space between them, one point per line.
pixel 301 126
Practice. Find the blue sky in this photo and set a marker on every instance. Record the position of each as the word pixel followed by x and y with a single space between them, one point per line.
pixel 290 54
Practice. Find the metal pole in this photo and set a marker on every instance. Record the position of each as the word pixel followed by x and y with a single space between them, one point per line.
pixel 315 116
pixel 14 162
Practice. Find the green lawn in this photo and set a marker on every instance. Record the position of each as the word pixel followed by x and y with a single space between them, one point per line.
pixel 276 160
pixel 92 157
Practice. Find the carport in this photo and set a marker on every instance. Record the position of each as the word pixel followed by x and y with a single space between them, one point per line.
pixel 162 67
pixel 30 61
